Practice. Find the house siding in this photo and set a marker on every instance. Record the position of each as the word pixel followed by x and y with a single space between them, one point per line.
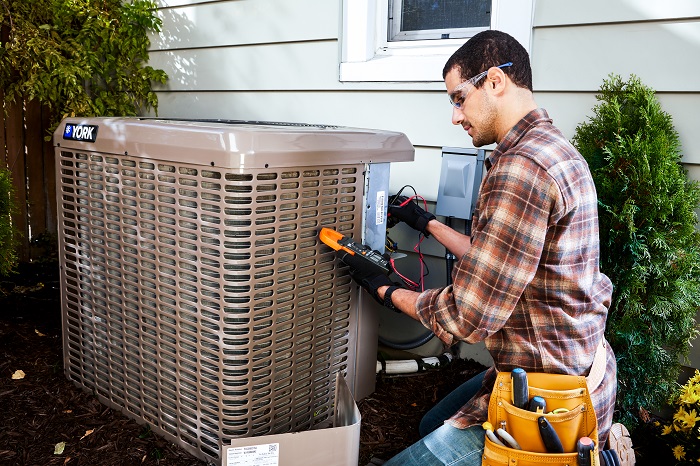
pixel 278 60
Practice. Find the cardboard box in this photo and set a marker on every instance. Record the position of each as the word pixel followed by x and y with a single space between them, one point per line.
pixel 338 445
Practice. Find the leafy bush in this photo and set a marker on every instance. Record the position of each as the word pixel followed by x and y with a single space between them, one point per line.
pixel 650 248
pixel 8 256
pixel 80 58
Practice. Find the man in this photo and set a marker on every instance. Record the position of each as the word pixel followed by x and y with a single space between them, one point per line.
pixel 527 282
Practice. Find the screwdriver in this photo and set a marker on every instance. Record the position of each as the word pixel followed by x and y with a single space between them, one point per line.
pixel 538 404
pixel 584 448
pixel 549 436
pixel 518 381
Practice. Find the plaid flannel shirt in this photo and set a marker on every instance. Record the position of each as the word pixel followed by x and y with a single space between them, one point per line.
pixel 530 286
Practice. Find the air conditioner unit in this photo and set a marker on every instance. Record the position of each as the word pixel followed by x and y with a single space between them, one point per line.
pixel 196 295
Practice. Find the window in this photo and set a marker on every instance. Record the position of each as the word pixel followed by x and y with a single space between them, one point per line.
pixel 437 19
pixel 410 40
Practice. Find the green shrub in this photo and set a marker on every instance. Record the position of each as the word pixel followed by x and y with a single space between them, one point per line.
pixel 80 58
pixel 650 247
pixel 8 255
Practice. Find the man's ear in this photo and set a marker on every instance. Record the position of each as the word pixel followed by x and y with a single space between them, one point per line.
pixel 496 80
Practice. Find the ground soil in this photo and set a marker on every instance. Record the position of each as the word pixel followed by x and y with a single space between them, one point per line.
pixel 43 409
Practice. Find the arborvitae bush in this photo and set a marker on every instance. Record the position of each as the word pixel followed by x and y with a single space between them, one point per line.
pixel 650 247
pixel 8 255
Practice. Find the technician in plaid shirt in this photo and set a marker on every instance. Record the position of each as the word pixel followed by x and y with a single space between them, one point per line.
pixel 528 282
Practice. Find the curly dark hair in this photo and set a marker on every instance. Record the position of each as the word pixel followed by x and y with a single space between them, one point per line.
pixel 492 48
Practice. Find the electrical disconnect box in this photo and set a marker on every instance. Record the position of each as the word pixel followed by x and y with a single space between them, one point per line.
pixel 196 295
pixel 460 178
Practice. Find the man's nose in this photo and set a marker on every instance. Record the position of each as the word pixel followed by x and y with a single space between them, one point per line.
pixel 457 116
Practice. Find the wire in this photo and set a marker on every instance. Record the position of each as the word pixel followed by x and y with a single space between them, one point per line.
pixel 407 281
pixel 424 271
pixel 392 199
pixel 392 246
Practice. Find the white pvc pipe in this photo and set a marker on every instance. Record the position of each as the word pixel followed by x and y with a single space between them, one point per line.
pixel 409 366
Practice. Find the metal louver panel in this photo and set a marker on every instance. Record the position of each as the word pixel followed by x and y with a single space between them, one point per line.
pixel 198 299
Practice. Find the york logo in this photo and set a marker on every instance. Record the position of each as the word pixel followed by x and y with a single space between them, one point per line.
pixel 80 132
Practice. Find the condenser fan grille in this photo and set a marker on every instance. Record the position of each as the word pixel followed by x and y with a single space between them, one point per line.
pixel 199 299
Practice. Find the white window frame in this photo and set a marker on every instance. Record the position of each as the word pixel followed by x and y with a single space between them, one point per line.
pixel 367 56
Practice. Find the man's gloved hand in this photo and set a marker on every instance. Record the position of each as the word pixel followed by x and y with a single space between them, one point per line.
pixel 367 275
pixel 409 212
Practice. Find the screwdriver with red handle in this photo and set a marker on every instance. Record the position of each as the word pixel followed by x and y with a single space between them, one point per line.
pixel 584 449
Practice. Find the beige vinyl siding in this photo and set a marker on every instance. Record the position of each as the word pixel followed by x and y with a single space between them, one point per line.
pixel 238 22
pixel 272 60
pixel 171 3
pixel 571 12
pixel 573 58
pixel 269 67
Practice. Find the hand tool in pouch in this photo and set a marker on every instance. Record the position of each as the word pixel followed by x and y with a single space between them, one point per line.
pixel 508 439
pixel 502 438
pixel 518 384
pixel 538 405
pixel 489 433
pixel 549 436
pixel 585 448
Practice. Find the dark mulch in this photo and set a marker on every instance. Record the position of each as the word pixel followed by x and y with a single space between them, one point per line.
pixel 390 416
pixel 43 409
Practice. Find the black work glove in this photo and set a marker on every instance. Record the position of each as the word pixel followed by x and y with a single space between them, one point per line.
pixel 367 275
pixel 410 213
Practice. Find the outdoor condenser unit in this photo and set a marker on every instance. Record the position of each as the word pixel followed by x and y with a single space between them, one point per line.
pixel 196 295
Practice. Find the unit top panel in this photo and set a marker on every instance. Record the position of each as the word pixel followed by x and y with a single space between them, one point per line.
pixel 232 144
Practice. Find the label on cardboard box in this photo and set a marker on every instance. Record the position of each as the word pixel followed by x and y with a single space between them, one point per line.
pixel 255 455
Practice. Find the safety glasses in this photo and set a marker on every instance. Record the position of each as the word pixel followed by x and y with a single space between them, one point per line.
pixel 460 93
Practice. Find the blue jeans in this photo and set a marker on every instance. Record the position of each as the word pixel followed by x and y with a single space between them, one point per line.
pixel 443 444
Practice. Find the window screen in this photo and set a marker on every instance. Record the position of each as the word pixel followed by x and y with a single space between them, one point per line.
pixel 437 19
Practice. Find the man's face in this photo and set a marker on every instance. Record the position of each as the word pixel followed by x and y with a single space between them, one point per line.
pixel 477 111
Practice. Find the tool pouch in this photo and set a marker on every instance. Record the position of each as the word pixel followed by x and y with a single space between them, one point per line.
pixel 560 391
